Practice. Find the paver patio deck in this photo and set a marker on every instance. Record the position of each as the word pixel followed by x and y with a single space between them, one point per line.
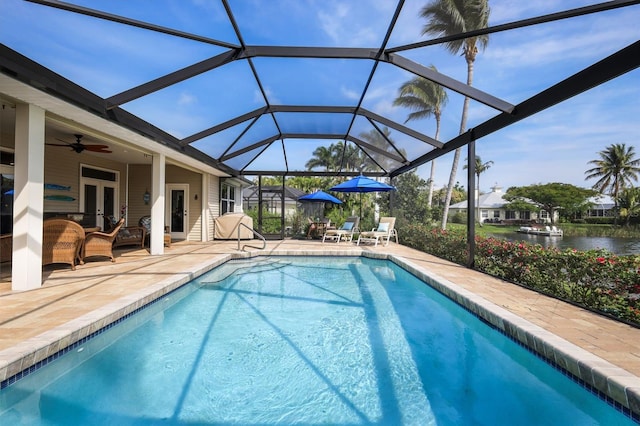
pixel 99 292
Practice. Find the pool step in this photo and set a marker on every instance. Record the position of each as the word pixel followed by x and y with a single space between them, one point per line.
pixel 242 267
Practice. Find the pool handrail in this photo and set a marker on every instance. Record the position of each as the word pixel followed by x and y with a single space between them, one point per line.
pixel 255 233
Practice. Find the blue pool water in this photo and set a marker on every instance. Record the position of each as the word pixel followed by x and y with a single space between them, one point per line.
pixel 289 341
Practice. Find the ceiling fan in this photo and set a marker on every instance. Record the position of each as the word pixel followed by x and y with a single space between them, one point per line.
pixel 78 146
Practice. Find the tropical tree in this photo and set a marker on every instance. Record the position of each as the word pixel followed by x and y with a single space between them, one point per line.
pixel 615 170
pixel 351 157
pixel 323 158
pixel 629 203
pixel 452 17
pixel 426 99
pixel 458 194
pixel 548 197
pixel 480 168
pixel 409 198
pixel 379 140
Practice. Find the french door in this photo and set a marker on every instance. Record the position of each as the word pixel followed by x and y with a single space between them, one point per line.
pixel 99 195
pixel 177 210
pixel 6 192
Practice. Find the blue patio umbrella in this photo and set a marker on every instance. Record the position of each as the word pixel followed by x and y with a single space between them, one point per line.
pixel 321 197
pixel 362 184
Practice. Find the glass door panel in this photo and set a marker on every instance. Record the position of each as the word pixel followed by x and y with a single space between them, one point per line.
pixel 177 213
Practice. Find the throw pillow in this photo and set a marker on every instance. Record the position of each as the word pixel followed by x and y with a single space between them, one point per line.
pixel 347 226
pixel 383 227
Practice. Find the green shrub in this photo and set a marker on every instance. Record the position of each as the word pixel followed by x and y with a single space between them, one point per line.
pixel 595 279
pixel 599 220
pixel 458 217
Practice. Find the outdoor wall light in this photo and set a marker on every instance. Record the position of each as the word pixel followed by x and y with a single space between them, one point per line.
pixel 146 196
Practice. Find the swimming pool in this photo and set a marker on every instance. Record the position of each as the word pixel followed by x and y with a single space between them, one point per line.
pixel 284 340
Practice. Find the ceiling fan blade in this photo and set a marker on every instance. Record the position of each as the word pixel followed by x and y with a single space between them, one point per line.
pixel 57 144
pixel 98 148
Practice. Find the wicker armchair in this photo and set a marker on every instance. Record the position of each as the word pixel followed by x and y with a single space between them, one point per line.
pixel 101 243
pixel 6 247
pixel 145 222
pixel 61 241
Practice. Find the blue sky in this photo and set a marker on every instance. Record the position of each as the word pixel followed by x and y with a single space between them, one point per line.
pixel 553 146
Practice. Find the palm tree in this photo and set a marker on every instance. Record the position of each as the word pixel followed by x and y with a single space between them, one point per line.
pixel 323 157
pixel 451 17
pixel 615 170
pixel 629 203
pixel 349 155
pixel 379 140
pixel 425 98
pixel 480 168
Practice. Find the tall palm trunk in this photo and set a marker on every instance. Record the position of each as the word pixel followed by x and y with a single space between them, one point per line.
pixel 470 57
pixel 433 164
pixel 477 197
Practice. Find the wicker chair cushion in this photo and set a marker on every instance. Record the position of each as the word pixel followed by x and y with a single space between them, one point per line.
pixel 61 241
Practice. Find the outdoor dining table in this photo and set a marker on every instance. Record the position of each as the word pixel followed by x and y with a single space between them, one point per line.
pixel 320 229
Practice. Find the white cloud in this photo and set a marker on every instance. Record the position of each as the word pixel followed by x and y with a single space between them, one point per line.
pixel 259 99
pixel 187 99
pixel 350 93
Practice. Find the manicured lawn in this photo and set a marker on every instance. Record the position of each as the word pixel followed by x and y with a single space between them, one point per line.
pixel 569 229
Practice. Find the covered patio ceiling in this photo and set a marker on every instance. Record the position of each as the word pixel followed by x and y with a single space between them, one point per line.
pixel 209 84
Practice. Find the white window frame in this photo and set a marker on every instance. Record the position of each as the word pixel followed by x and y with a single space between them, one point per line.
pixel 228 200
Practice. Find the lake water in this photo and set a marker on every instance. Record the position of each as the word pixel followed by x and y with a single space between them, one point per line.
pixel 620 246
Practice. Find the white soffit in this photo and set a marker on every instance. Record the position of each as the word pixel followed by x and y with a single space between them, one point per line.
pixel 72 114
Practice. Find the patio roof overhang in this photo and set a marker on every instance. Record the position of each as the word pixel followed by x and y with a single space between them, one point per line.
pixel 237 146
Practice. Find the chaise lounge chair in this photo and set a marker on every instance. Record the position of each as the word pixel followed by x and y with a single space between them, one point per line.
pixel 383 232
pixel 345 232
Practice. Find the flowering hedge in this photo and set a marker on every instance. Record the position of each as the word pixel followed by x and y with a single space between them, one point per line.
pixel 595 279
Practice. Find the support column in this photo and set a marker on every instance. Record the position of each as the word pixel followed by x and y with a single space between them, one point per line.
pixel 471 202
pixel 157 204
pixel 204 208
pixel 28 204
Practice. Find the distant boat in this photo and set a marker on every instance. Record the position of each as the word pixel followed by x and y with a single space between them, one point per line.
pixel 545 232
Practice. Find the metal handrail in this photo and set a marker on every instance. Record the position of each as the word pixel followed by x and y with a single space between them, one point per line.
pixel 255 233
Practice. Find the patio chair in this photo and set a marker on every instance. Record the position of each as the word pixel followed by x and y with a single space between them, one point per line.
pixel 101 243
pixel 61 242
pixel 383 232
pixel 345 232
pixel 145 222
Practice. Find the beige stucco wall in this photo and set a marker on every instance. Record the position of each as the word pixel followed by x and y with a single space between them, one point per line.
pixel 213 204
pixel 62 167
pixel 139 182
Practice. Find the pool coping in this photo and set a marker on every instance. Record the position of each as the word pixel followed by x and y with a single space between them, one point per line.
pixel 607 379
